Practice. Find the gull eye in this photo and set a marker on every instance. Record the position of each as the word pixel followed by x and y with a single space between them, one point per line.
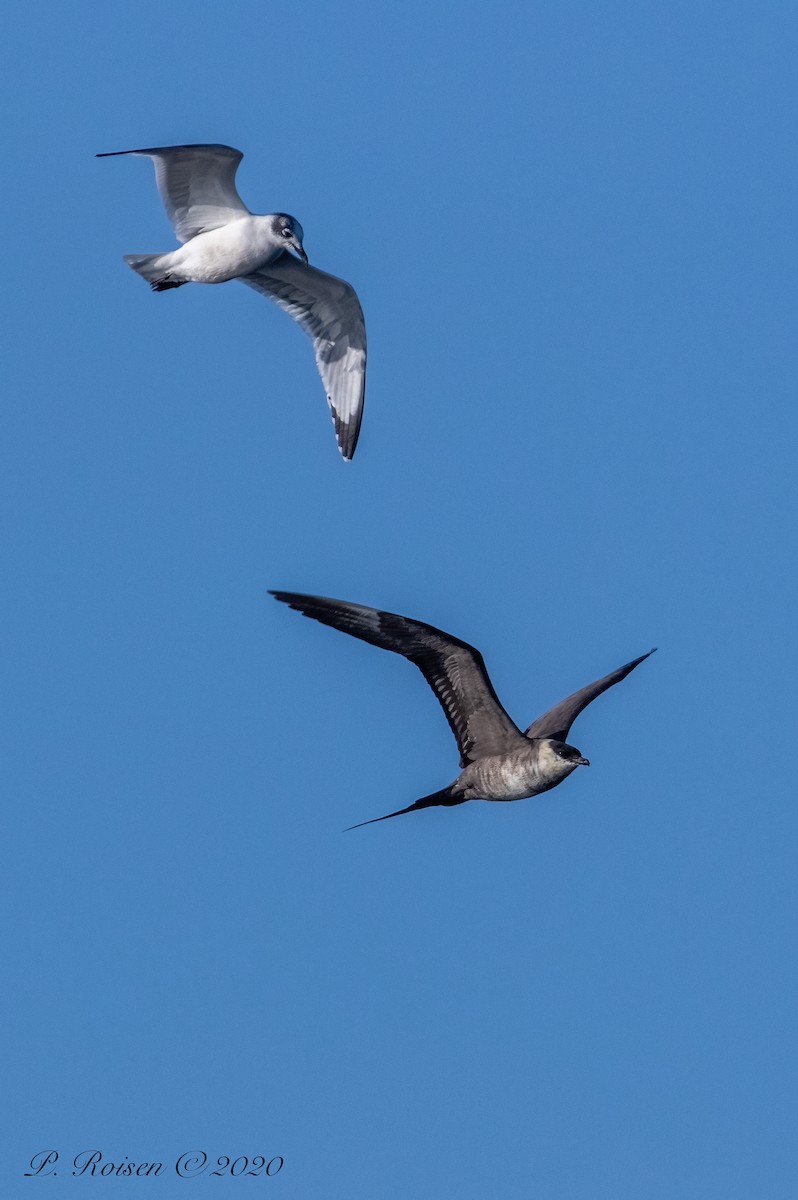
pixel 288 232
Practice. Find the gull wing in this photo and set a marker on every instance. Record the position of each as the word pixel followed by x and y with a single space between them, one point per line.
pixel 329 311
pixel 197 185
pixel 558 720
pixel 454 670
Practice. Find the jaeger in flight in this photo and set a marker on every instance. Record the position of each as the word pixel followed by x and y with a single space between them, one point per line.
pixel 499 761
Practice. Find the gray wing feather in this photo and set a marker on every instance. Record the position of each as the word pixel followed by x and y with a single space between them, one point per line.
pixel 454 670
pixel 558 720
pixel 197 185
pixel 329 311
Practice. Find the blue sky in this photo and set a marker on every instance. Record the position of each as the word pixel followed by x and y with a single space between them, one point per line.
pixel 572 228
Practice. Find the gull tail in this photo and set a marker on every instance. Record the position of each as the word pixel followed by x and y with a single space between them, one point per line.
pixel 151 268
pixel 445 797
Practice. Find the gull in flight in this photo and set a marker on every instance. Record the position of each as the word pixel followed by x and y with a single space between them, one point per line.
pixel 223 240
pixel 499 761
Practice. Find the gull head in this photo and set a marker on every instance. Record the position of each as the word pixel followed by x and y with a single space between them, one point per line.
pixel 290 233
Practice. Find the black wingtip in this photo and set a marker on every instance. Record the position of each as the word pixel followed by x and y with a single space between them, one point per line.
pixel 347 442
pixel 284 597
pixel 347 433
pixel 637 661
pixel 302 603
pixel 641 658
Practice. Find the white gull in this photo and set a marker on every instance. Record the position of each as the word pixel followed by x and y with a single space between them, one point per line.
pixel 223 240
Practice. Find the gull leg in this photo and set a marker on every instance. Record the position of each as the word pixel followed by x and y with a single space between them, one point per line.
pixel 163 285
